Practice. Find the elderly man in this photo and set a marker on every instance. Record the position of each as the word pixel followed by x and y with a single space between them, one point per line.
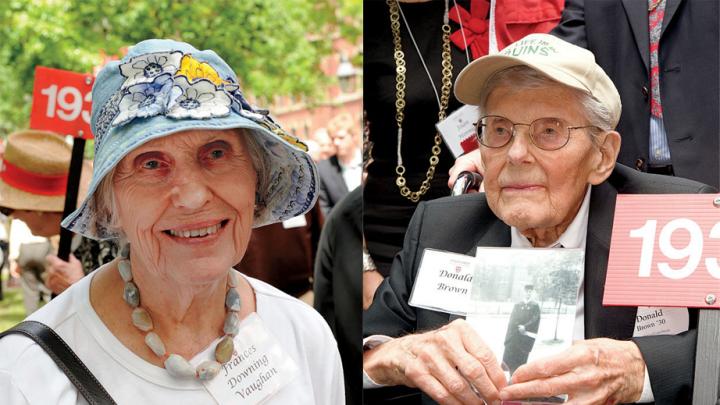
pixel 549 148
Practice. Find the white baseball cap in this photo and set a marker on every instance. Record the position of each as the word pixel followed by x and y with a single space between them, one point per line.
pixel 559 60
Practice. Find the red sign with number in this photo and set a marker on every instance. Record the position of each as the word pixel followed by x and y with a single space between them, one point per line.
pixel 665 251
pixel 61 102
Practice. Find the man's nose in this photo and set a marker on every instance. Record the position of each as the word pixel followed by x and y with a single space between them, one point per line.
pixel 518 151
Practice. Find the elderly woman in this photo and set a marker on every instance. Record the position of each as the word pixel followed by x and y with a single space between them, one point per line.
pixel 184 169
pixel 549 150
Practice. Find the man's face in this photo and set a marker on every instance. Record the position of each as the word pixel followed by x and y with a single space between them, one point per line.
pixel 327 147
pixel 345 144
pixel 530 188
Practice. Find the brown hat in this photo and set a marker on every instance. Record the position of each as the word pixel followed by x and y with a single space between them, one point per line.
pixel 34 171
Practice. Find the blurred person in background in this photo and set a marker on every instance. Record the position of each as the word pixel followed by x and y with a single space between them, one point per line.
pixel 32 190
pixel 343 172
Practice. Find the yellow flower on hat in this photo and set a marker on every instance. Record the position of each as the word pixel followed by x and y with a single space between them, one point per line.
pixel 193 69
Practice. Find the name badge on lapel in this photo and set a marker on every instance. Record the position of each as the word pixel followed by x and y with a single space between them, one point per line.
pixel 443 282
pixel 458 130
pixel 258 369
pixel 653 321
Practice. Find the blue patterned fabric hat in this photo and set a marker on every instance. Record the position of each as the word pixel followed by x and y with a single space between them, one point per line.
pixel 163 87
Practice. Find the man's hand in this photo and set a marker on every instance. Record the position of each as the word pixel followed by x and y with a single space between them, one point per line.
pixel 597 371
pixel 469 162
pixel 62 274
pixel 451 364
pixel 521 329
pixel 371 281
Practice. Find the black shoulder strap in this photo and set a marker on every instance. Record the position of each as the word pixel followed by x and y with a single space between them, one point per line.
pixel 65 358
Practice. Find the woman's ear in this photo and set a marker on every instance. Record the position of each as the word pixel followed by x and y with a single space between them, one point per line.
pixel 609 149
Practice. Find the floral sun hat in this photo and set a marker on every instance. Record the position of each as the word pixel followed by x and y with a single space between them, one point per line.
pixel 163 87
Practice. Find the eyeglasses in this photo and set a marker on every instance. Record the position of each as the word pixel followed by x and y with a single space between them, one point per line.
pixel 6 211
pixel 494 131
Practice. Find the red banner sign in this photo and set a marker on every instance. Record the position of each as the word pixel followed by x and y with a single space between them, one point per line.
pixel 665 251
pixel 61 102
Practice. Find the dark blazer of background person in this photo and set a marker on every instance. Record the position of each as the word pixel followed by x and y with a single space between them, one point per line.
pixel 616 31
pixel 459 224
pixel 332 183
pixel 292 270
pixel 338 286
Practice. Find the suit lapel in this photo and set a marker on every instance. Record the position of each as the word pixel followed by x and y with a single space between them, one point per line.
pixel 612 322
pixel 495 235
pixel 637 14
pixel 670 8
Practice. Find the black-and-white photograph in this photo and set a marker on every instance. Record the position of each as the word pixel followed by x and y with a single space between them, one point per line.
pixel 523 301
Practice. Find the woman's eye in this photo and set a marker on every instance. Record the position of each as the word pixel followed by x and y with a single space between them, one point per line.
pixel 151 164
pixel 217 153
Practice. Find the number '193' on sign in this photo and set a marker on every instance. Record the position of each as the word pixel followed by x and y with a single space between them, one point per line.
pixel 664 251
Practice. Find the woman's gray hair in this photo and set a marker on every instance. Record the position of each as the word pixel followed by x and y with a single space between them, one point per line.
pixel 526 78
pixel 106 205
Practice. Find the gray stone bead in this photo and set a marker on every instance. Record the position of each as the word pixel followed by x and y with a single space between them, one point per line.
pixel 125 251
pixel 179 367
pixel 131 294
pixel 224 349
pixel 232 279
pixel 141 319
pixel 207 370
pixel 155 344
pixel 232 300
pixel 125 270
pixel 232 323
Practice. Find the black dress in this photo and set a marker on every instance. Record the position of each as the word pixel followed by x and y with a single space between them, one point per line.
pixel 386 212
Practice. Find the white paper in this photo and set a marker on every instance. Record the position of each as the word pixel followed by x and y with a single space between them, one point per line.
pixel 653 321
pixel 443 282
pixel 258 369
pixel 294 222
pixel 458 127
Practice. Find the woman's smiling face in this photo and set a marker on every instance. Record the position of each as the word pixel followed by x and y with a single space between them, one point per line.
pixel 185 203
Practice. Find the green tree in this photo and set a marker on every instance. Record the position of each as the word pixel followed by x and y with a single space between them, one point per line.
pixel 274 46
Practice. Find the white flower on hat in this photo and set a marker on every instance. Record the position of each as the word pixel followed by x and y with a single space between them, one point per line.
pixel 145 100
pixel 200 99
pixel 145 68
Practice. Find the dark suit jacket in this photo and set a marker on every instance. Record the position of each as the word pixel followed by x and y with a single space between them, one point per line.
pixel 338 287
pixel 459 224
pixel 332 184
pixel 616 31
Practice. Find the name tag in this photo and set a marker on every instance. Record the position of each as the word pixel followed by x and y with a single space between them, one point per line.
pixel 295 222
pixel 258 369
pixel 443 282
pixel 653 321
pixel 458 130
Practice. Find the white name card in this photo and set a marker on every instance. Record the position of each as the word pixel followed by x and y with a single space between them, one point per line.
pixel 258 369
pixel 443 282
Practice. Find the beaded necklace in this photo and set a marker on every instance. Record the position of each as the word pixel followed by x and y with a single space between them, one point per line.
pixel 176 364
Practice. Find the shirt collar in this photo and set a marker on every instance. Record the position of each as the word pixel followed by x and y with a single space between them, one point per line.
pixel 574 236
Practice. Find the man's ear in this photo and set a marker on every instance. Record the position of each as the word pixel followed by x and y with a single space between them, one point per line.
pixel 608 149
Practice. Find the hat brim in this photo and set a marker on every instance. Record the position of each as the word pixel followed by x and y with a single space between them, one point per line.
pixel 17 199
pixel 474 77
pixel 292 183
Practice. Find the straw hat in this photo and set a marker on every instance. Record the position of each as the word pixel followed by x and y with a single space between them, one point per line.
pixel 34 171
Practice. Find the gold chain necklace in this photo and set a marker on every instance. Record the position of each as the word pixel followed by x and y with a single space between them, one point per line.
pixel 400 70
